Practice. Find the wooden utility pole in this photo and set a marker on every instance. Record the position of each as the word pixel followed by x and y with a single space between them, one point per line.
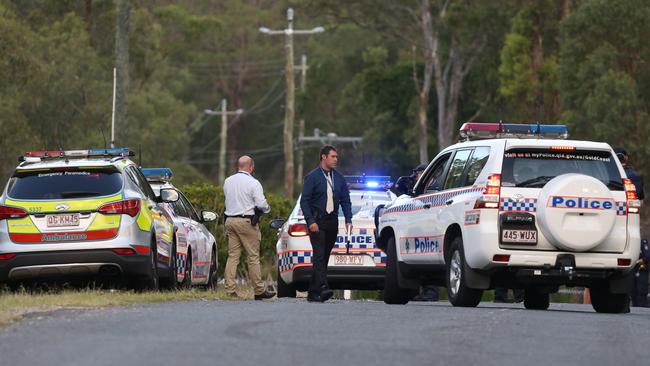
pixel 223 136
pixel 301 124
pixel 122 73
pixel 290 103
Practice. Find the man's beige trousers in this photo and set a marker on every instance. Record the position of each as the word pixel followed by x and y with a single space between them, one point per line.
pixel 240 234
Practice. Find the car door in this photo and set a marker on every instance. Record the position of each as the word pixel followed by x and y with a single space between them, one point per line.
pixel 420 243
pixel 200 246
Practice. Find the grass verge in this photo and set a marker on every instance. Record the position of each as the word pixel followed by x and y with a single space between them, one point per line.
pixel 15 305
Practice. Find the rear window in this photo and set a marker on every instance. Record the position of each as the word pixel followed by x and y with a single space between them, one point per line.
pixel 533 168
pixel 64 183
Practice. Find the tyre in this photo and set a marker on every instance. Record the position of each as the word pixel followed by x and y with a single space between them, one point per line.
pixel 604 301
pixel 536 300
pixel 150 281
pixel 457 291
pixel 187 279
pixel 393 294
pixel 170 282
pixel 213 271
pixel 284 289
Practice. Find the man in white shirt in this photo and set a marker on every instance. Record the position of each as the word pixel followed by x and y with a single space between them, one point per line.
pixel 244 194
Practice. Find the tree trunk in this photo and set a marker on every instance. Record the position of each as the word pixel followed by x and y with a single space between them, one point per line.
pixel 122 65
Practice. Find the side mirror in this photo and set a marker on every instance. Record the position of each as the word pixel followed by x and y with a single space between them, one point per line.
pixel 277 223
pixel 403 185
pixel 169 195
pixel 208 216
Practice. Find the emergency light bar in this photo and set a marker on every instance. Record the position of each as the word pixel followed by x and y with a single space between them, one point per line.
pixel 478 131
pixel 368 182
pixel 70 154
pixel 157 174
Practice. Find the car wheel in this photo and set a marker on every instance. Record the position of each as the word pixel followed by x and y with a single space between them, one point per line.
pixel 171 281
pixel 187 279
pixel 393 294
pixel 284 289
pixel 536 300
pixel 213 271
pixel 457 291
pixel 149 281
pixel 604 301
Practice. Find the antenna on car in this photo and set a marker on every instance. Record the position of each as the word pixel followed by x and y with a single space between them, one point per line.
pixel 103 136
pixel 140 155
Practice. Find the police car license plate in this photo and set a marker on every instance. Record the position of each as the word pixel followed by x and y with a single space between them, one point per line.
pixel 62 220
pixel 519 236
pixel 348 260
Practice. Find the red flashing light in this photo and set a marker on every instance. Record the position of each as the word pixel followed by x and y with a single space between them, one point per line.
pixel 44 154
pixel 624 262
pixel 126 207
pixel 503 258
pixel 124 251
pixel 633 202
pixel 7 256
pixel 298 230
pixel 491 193
pixel 8 212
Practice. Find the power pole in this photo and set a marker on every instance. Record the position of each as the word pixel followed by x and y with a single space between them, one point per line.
pixel 122 73
pixel 224 135
pixel 301 125
pixel 289 111
pixel 331 138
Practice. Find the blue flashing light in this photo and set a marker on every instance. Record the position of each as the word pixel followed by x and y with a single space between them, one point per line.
pixel 475 131
pixel 368 182
pixel 372 184
pixel 157 174
pixel 111 152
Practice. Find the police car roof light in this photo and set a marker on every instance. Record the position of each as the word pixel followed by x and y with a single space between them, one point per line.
pixel 477 131
pixel 157 174
pixel 379 182
pixel 67 154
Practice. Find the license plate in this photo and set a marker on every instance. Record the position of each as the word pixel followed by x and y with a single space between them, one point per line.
pixel 348 260
pixel 519 236
pixel 62 220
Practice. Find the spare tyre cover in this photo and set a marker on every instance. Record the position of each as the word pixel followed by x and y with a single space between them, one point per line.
pixel 576 212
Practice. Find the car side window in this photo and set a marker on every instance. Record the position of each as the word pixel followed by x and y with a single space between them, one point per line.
pixel 455 176
pixel 189 208
pixel 143 184
pixel 475 165
pixel 134 179
pixel 433 177
pixel 179 209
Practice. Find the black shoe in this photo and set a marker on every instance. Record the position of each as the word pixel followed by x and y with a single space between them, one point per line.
pixel 313 298
pixel 265 295
pixel 326 294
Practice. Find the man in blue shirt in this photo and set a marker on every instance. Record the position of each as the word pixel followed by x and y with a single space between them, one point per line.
pixel 323 190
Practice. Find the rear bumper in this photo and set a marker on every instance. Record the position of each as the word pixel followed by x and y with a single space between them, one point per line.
pixel 358 278
pixel 53 264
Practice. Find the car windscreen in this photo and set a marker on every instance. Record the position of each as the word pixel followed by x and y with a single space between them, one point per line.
pixel 533 168
pixel 64 183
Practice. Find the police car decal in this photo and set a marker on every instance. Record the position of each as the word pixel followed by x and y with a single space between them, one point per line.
pixel 508 204
pixel 434 200
pixel 290 259
pixel 472 217
pixel 421 244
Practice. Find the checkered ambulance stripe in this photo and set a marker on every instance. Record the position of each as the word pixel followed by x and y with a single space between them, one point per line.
pixel 525 205
pixel 288 260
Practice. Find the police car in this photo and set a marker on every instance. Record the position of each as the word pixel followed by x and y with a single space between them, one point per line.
pixel 193 255
pixel 355 262
pixel 515 206
pixel 83 212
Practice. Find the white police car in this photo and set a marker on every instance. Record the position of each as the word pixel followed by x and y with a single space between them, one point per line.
pixel 359 265
pixel 192 255
pixel 515 206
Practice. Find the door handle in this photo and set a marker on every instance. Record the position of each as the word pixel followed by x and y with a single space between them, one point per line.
pixel 449 202
pixel 427 206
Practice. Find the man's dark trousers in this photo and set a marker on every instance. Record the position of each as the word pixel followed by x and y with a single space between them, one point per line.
pixel 322 243
pixel 640 294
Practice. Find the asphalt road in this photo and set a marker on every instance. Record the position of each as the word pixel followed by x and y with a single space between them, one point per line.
pixel 294 332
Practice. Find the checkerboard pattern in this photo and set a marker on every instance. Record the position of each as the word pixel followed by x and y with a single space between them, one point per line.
pixel 355 245
pixel 181 259
pixel 621 208
pixel 435 200
pixel 288 259
pixel 525 205
pixel 379 257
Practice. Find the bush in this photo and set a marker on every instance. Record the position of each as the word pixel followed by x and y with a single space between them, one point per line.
pixel 205 196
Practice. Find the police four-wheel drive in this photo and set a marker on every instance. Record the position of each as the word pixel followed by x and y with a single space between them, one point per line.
pixel 80 213
pixel 515 206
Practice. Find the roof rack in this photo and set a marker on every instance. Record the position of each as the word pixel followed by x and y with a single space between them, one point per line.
pixel 164 175
pixel 480 131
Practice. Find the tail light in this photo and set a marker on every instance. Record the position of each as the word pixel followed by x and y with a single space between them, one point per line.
pixel 298 230
pixel 7 256
pixel 7 212
pixel 491 194
pixel 633 202
pixel 126 207
pixel 124 251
